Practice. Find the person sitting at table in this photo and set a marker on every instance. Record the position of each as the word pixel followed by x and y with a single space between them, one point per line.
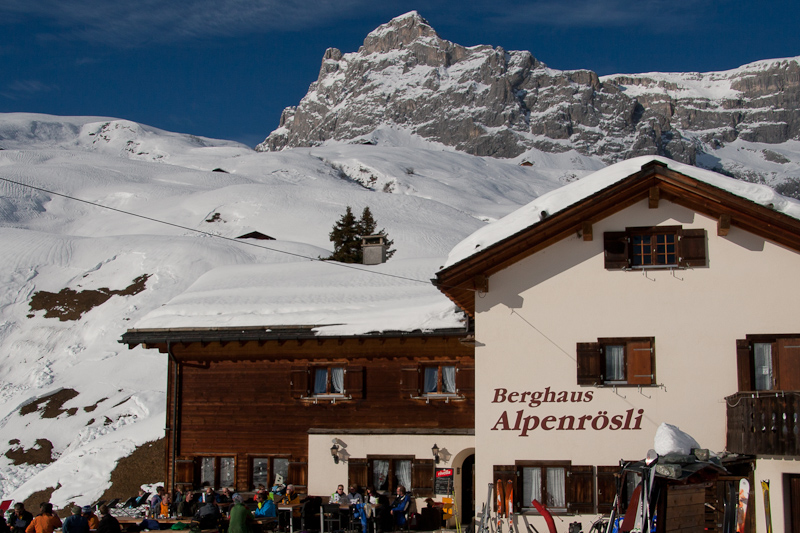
pixel 108 524
pixel 155 501
pixel 400 506
pixel 165 505
pixel 354 496
pixel 290 497
pixel 260 488
pixel 264 508
pixel 338 496
pixel 372 496
pixel 86 512
pixel 75 523
pixel 224 499
pixel 188 507
pixel 240 517
pixel 45 522
pixel 20 519
pixel 209 496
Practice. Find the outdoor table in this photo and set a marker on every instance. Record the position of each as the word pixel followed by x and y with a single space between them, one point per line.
pixel 290 508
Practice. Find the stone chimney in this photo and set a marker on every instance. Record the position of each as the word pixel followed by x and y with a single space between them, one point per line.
pixel 373 248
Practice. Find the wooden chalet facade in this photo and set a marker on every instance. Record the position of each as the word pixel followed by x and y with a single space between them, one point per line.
pixel 661 294
pixel 245 404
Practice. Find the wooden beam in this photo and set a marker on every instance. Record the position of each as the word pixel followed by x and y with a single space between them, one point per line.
pixel 653 198
pixel 723 224
pixel 586 229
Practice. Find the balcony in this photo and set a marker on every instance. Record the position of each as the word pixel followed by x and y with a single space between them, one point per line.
pixel 764 423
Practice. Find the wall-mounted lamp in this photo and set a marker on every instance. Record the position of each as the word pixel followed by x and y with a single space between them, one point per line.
pixel 435 451
pixel 335 453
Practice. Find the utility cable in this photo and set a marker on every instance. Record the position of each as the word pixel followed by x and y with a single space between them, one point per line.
pixel 209 234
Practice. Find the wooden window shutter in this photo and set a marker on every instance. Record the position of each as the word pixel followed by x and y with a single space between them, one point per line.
pixel 299 382
pixel 590 363
pixel 692 248
pixel 409 387
pixel 615 250
pixel 787 373
pixel 580 489
pixel 640 355
pixel 357 472
pixel 422 478
pixel 606 488
pixel 465 380
pixel 298 474
pixel 354 381
pixel 745 365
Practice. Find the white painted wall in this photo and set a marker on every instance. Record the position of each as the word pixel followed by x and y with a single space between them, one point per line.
pixel 537 310
pixel 324 475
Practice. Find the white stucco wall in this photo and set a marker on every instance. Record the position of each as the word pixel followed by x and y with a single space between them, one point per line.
pixel 325 475
pixel 537 310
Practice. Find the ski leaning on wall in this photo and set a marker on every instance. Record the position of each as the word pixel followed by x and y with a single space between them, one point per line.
pixel 501 503
pixel 744 497
pixel 510 505
pixel 487 505
pixel 767 510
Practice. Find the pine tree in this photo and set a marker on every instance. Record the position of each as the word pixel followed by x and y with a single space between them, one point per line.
pixel 346 236
pixel 346 239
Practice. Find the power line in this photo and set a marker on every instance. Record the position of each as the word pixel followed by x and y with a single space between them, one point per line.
pixel 209 234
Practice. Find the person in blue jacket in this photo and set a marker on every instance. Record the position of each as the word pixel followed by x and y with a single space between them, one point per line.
pixel 400 506
pixel 264 508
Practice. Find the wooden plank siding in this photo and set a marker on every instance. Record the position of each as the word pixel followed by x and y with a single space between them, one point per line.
pixel 236 399
pixel 764 423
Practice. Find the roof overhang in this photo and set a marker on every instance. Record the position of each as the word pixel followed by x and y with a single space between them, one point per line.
pixel 162 338
pixel 654 181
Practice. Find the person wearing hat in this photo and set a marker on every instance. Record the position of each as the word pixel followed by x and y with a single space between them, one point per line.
pixel 86 512
pixel 241 517
pixel 75 523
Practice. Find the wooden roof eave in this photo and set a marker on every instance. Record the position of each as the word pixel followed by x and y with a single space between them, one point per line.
pixel 457 283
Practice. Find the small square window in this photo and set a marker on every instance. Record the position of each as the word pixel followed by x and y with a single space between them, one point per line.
pixel 654 247
pixel 617 361
pixel 328 381
pixel 439 379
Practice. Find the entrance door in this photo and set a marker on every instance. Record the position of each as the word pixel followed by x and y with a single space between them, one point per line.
pixel 794 502
pixel 468 490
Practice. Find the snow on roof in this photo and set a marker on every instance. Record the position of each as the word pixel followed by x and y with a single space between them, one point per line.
pixel 561 198
pixel 336 299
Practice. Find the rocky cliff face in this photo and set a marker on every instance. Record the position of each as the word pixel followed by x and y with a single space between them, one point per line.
pixel 491 102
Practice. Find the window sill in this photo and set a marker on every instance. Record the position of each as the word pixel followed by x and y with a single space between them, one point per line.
pixel 446 397
pixel 333 398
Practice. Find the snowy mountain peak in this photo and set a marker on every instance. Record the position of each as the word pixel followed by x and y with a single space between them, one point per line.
pixel 399 32
pixel 491 102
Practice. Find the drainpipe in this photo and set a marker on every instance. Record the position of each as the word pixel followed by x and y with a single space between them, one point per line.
pixel 174 425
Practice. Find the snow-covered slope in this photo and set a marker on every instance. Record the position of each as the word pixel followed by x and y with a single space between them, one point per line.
pixel 71 392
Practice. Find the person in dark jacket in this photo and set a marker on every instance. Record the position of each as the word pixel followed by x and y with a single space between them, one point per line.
pixel 21 518
pixel 108 524
pixel 3 525
pixel 75 523
pixel 188 507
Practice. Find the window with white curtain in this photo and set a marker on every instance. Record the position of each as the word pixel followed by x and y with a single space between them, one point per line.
pixel 328 380
pixel 440 379
pixel 545 484
pixel 387 472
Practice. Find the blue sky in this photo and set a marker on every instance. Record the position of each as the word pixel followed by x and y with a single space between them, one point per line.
pixel 226 68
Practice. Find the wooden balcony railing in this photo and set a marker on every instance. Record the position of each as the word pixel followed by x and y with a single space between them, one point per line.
pixel 764 423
